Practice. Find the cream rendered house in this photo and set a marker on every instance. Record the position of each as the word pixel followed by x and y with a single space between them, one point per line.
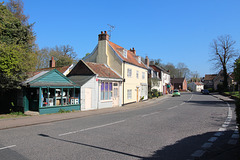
pixel 126 63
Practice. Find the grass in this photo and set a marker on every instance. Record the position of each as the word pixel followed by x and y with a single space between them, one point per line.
pixel 234 94
pixel 12 115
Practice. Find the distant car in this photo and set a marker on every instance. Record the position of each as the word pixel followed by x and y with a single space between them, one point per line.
pixel 176 93
pixel 205 91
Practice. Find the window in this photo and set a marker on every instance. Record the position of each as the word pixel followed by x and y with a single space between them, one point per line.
pixel 139 59
pixel 129 72
pixel 106 91
pixel 60 96
pixel 137 74
pixel 125 53
pixel 143 75
pixel 129 94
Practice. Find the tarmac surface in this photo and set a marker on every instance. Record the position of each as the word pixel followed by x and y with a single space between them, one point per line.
pixel 223 152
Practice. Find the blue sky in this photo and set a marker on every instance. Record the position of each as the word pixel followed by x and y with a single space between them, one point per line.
pixel 174 31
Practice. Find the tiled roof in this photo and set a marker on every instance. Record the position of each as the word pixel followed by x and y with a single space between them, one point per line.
pixel 131 57
pixel 209 77
pixel 177 80
pixel 102 70
pixel 60 69
pixel 198 83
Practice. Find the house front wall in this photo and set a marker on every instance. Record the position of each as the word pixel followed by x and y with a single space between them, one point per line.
pixel 165 82
pixel 135 83
pixel 89 102
pixel 108 102
pixel 114 61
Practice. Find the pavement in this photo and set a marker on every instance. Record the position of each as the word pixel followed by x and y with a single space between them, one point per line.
pixel 223 152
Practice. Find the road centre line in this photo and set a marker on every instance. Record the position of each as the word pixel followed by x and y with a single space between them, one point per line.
pixel 172 107
pixel 86 129
pixel 149 114
pixel 7 147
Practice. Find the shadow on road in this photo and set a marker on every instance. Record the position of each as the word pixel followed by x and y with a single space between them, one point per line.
pixel 182 149
pixel 207 103
pixel 92 146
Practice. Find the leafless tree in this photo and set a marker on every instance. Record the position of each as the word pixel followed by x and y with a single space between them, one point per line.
pixel 223 53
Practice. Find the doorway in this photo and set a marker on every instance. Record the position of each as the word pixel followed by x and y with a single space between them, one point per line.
pixel 115 94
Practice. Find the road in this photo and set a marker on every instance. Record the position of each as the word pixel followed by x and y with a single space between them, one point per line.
pixel 170 128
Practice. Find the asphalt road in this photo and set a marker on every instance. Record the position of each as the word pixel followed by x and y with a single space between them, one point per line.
pixel 168 129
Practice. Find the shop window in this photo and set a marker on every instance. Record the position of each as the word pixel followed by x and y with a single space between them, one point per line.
pixel 51 99
pixel 58 96
pixel 106 91
pixel 77 95
pixel 44 97
pixel 74 95
pixel 65 96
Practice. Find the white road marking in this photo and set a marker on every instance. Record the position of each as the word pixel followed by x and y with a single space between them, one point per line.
pixel 198 153
pixel 172 107
pixel 218 134
pixel 7 147
pixel 207 145
pixel 232 141
pixel 212 139
pixel 149 114
pixel 222 129
pixel 182 103
pixel 235 136
pixel 86 129
pixel 190 98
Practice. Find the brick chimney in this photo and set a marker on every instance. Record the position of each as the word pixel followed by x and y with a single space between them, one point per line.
pixel 103 36
pixel 133 50
pixel 52 63
pixel 147 61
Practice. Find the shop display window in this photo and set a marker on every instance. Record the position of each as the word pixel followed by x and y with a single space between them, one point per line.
pixel 59 96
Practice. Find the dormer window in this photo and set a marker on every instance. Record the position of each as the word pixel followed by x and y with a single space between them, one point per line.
pixel 125 53
pixel 139 59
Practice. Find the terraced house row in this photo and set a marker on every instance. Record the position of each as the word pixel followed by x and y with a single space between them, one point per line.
pixel 110 76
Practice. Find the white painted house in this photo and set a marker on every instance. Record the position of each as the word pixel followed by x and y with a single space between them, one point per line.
pixel 101 86
pixel 196 86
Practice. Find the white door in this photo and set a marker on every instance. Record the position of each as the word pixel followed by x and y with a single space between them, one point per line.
pixel 115 94
pixel 88 98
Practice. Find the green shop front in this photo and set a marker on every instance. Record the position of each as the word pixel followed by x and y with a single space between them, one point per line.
pixel 50 92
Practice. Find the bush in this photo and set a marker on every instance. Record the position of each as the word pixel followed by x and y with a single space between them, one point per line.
pixel 155 93
pixel 150 95
pixel 210 89
pixel 63 111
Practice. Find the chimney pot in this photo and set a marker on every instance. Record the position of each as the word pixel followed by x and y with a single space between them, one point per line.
pixel 103 36
pixel 147 61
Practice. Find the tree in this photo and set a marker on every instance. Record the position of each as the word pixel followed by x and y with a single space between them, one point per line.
pixel 16 50
pixel 195 77
pixel 172 69
pixel 237 71
pixel 64 55
pixel 183 70
pixel 16 8
pixel 223 52
pixel 43 57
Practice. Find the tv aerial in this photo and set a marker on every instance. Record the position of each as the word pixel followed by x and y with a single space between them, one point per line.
pixel 111 28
